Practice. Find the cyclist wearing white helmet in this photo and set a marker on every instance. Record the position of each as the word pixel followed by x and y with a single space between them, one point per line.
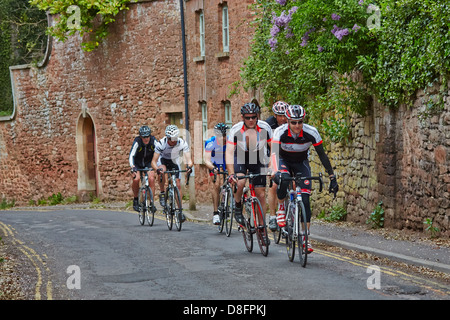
pixel 141 155
pixel 277 119
pixel 167 157
pixel 290 146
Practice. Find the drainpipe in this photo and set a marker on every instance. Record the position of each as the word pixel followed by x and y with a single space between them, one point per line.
pixel 183 40
pixel 192 200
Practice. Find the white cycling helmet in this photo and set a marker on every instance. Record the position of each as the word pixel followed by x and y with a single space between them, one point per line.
pixel 172 131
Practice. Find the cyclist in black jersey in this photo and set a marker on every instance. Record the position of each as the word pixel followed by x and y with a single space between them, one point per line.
pixel 140 157
pixel 278 119
pixel 290 145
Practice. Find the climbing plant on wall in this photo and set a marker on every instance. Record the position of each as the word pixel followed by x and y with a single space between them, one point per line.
pixel 89 18
pixel 333 55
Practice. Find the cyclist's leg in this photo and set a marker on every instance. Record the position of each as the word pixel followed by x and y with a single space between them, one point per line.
pixel 215 196
pixel 135 185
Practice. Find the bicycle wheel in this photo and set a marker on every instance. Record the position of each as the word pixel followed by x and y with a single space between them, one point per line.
pixel 261 228
pixel 168 210
pixel 177 208
pixel 142 204
pixel 290 241
pixel 303 236
pixel 149 204
pixel 246 230
pixel 221 210
pixel 228 211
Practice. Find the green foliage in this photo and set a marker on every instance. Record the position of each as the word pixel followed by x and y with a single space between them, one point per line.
pixel 434 231
pixel 89 17
pixel 5 204
pixel 331 56
pixel 376 218
pixel 22 40
pixel 336 213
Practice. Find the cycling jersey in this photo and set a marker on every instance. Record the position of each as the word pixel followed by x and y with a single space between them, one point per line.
pixel 251 144
pixel 140 154
pixel 171 153
pixel 294 148
pixel 217 151
pixel 272 121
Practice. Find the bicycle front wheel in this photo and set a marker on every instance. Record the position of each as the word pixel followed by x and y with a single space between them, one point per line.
pixel 177 209
pixel 290 240
pixel 149 205
pixel 228 211
pixel 246 229
pixel 261 228
pixel 168 210
pixel 302 235
pixel 142 204
pixel 222 209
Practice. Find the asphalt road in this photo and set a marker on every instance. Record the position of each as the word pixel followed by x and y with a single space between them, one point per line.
pixel 101 254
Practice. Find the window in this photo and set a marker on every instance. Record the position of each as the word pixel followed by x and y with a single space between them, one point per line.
pixel 225 30
pixel 228 119
pixel 204 121
pixel 202 33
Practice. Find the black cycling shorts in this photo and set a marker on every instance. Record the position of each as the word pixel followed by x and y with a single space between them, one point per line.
pixel 170 165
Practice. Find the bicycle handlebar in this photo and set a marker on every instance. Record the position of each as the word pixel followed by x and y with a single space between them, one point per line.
pixel 173 172
pixel 144 169
pixel 219 172
pixel 298 177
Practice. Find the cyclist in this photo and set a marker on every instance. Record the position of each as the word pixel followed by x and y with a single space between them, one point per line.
pixel 141 155
pixel 167 158
pixel 277 119
pixel 291 143
pixel 214 160
pixel 247 144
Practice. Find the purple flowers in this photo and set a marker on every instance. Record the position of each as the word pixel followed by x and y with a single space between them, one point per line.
pixel 280 22
pixel 320 48
pixel 335 16
pixel 339 32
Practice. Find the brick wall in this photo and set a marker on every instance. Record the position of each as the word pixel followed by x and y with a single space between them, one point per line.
pixel 132 79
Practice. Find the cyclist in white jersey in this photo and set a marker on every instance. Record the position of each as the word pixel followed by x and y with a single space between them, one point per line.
pixel 167 157
pixel 247 145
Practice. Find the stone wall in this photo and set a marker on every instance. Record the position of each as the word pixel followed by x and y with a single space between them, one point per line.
pixel 395 158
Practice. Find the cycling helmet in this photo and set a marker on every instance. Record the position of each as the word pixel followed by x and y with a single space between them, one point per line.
pixel 250 108
pixel 279 107
pixel 145 131
pixel 172 131
pixel 295 112
pixel 221 129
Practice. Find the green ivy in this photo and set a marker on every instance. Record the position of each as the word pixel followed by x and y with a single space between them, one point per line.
pixel 88 17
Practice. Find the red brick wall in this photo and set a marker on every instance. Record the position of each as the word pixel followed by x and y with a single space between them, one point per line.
pixel 132 79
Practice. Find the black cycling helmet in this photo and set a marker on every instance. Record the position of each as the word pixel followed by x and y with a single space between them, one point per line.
pixel 250 108
pixel 145 131
pixel 295 112
pixel 221 129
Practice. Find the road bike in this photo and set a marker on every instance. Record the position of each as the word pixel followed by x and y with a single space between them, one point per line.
pixel 296 229
pixel 254 222
pixel 226 204
pixel 173 208
pixel 145 199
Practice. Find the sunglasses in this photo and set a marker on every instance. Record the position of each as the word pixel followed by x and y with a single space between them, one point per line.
pixel 294 123
pixel 251 118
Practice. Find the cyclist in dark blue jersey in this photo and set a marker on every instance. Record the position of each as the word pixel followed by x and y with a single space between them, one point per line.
pixel 214 160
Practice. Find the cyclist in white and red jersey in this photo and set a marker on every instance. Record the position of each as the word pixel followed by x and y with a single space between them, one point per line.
pixel 290 145
pixel 247 145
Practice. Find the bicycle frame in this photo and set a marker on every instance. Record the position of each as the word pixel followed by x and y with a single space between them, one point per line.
pixel 259 223
pixel 226 203
pixel 148 209
pixel 171 211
